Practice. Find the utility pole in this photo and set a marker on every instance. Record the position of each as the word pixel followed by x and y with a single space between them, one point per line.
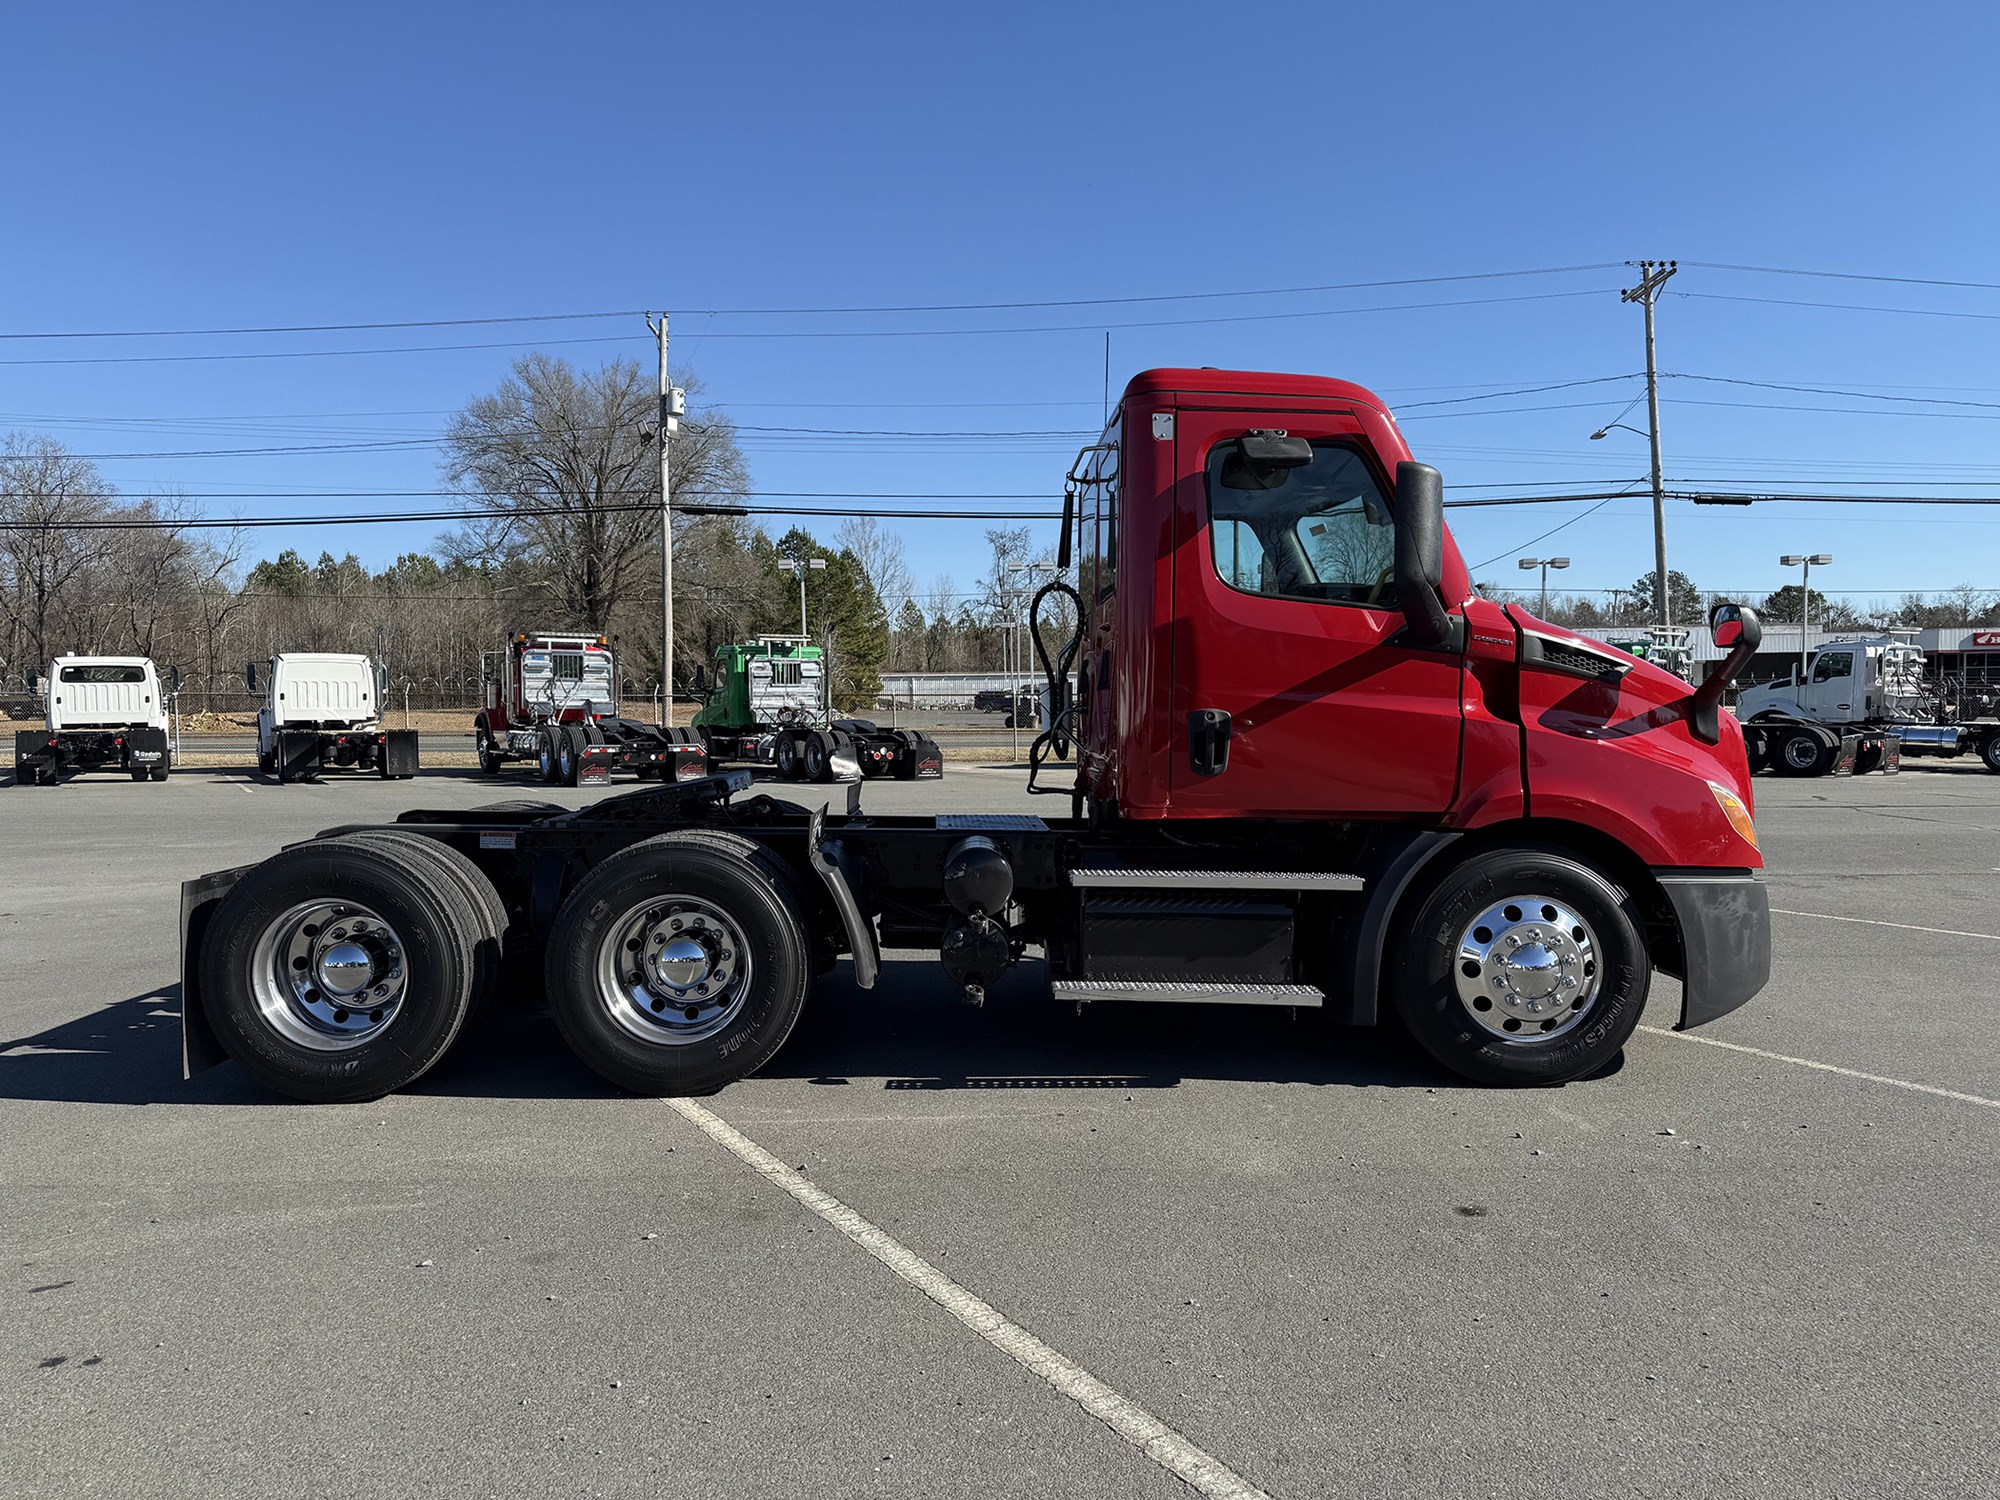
pixel 673 404
pixel 1654 274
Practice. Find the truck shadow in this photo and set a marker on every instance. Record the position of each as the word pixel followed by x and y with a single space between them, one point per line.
pixel 910 1033
pixel 127 1053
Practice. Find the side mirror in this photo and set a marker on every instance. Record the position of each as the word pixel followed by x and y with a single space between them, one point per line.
pixel 173 679
pixel 700 678
pixel 1420 552
pixel 34 682
pixel 250 675
pixel 1737 627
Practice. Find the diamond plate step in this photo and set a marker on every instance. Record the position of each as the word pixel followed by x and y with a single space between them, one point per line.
pixel 1225 880
pixel 1192 992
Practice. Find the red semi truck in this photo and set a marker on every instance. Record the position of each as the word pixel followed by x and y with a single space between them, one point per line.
pixel 1315 769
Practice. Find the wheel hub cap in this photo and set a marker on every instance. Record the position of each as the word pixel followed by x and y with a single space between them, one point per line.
pixel 674 970
pixel 345 968
pixel 1527 969
pixel 328 975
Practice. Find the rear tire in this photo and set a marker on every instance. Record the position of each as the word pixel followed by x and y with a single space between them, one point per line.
pixel 1500 992
pixel 482 900
pixel 818 758
pixel 1867 758
pixel 569 756
pixel 740 959
pixel 301 1046
pixel 1989 752
pixel 1801 752
pixel 545 756
pixel 785 755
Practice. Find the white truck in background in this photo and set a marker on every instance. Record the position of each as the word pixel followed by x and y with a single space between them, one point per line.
pixel 323 712
pixel 1860 705
pixel 103 713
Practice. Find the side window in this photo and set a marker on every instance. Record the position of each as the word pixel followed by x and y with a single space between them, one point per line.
pixel 1321 531
pixel 1832 664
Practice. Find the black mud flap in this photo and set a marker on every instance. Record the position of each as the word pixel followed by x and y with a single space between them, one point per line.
pixel 399 753
pixel 297 755
pixel 921 759
pixel 199 897
pixel 146 746
pixel 32 749
pixel 1725 923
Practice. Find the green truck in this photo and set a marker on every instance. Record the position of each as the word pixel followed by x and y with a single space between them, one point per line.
pixel 769 703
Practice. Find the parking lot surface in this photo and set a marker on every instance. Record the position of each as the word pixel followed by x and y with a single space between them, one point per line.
pixel 938 1251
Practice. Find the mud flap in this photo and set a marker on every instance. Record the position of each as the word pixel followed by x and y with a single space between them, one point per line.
pixel 297 755
pixel 33 748
pixel 146 746
pixel 399 753
pixel 835 866
pixel 199 897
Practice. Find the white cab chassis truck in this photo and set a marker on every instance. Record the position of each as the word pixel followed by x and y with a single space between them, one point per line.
pixel 323 712
pixel 1858 706
pixel 105 713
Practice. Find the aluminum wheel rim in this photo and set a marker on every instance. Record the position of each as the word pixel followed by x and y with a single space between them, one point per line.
pixel 673 970
pixel 1527 969
pixel 1801 752
pixel 329 975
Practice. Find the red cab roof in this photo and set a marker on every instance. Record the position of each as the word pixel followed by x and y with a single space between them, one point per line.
pixel 1249 383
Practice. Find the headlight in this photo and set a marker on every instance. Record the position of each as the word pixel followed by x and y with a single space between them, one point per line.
pixel 1734 810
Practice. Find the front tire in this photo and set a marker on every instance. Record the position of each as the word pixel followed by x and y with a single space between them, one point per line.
pixel 1521 966
pixel 679 964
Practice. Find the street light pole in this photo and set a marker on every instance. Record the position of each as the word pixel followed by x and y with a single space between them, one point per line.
pixel 1545 563
pixel 1653 274
pixel 1805 561
pixel 793 565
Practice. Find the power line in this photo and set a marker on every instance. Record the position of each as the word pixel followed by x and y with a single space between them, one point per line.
pixel 1914 312
pixel 173 359
pixel 1822 390
pixel 1985 286
pixel 720 312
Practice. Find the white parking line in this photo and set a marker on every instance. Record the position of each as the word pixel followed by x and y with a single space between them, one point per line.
pixel 1139 1427
pixel 1806 1062
pixel 1827 916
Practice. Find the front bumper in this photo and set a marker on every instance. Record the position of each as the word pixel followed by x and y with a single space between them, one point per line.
pixel 1725 928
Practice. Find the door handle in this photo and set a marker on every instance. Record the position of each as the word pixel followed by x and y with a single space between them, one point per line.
pixel 1208 741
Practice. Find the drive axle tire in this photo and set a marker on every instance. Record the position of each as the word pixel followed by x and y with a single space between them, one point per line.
pixel 818 757
pixel 545 756
pixel 569 756
pixel 312 936
pixel 489 948
pixel 785 756
pixel 1989 752
pixel 1868 758
pixel 679 964
pixel 1520 966
pixel 1802 752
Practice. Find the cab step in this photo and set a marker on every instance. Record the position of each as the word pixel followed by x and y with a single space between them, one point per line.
pixel 1120 878
pixel 1188 991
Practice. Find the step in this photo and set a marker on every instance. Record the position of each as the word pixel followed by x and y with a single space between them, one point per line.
pixel 1216 880
pixel 1189 991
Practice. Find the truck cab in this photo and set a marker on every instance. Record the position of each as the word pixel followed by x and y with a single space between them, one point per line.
pixel 103 712
pixel 1871 679
pixel 322 711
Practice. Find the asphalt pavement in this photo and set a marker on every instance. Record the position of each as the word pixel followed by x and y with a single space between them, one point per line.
pixel 1754 1259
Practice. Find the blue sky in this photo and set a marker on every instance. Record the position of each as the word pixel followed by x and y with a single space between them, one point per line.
pixel 194 167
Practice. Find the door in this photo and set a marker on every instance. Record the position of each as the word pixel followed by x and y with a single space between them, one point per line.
pixel 1286 619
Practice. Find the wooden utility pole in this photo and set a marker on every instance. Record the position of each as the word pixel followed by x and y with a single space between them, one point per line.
pixel 1653 274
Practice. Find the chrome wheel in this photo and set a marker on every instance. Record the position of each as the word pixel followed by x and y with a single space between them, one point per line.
pixel 328 975
pixel 1527 969
pixel 673 971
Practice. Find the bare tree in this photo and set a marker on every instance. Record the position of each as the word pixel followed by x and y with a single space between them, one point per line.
pixel 47 556
pixel 568 458
pixel 880 553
